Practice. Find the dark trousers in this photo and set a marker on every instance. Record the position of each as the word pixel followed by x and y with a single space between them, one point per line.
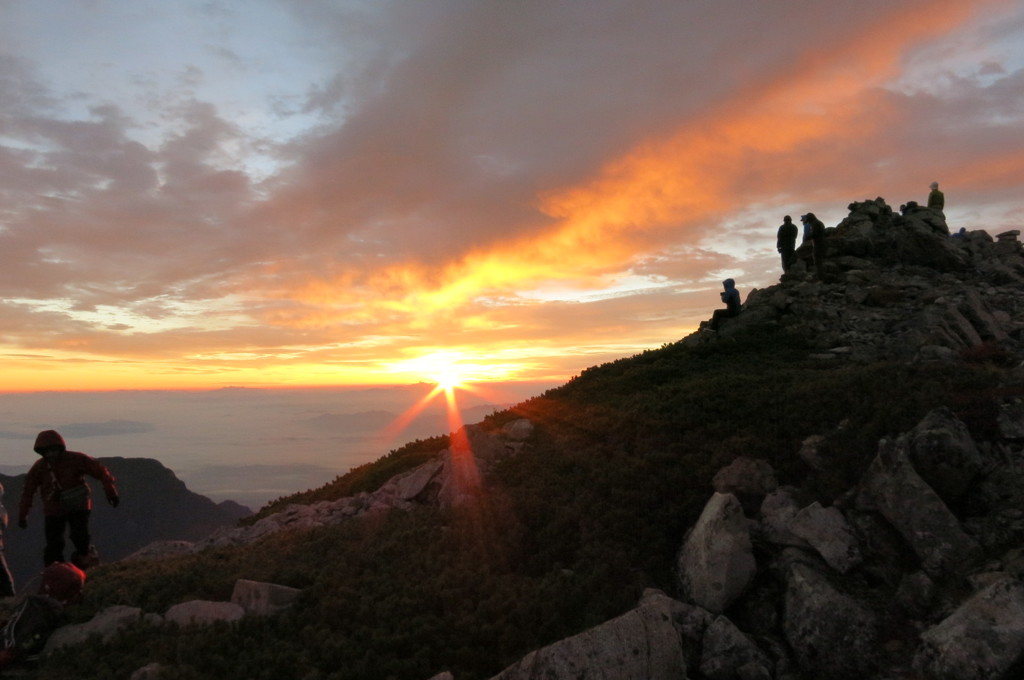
pixel 56 525
pixel 788 257
pixel 6 582
pixel 718 316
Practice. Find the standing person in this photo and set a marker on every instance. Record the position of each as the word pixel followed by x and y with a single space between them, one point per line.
pixel 731 297
pixel 816 229
pixel 6 582
pixel 60 478
pixel 936 199
pixel 785 242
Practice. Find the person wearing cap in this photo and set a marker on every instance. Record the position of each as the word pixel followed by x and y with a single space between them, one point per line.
pixel 936 199
pixel 59 476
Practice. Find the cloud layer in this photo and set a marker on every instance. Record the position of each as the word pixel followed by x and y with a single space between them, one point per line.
pixel 310 192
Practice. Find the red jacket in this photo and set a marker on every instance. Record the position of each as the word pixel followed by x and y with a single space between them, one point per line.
pixel 70 469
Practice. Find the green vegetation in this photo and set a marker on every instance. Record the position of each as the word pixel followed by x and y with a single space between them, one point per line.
pixel 571 532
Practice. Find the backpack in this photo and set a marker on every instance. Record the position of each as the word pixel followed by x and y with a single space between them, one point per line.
pixel 30 625
pixel 63 582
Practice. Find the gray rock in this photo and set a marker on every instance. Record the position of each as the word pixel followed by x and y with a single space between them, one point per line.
pixel 726 649
pixel 831 634
pixel 982 640
pixel 915 593
pixel 152 671
pixel 778 509
pixel 411 484
pixel 518 430
pixel 263 599
pixel 1010 419
pixel 917 512
pixel 106 624
pixel 746 476
pixel 716 563
pixel 809 453
pixel 827 531
pixel 643 644
pixel 198 612
pixel 944 454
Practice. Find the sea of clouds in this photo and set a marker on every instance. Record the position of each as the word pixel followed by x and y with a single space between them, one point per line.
pixel 246 445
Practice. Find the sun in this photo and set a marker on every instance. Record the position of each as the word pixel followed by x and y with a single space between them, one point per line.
pixel 447 369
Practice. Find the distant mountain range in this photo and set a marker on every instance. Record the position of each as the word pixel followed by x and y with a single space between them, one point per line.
pixel 155 505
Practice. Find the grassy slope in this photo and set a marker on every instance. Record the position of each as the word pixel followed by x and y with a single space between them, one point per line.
pixel 572 531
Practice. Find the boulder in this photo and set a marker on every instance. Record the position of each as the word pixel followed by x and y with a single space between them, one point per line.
pixel 893 487
pixel 726 649
pixel 943 453
pixel 831 634
pixel 982 640
pixel 1010 419
pixel 827 531
pixel 809 453
pixel 263 599
pixel 778 509
pixel 642 643
pixel 746 476
pixel 716 563
pixel 152 671
pixel 198 612
pixel 105 624
pixel 411 484
pixel 518 430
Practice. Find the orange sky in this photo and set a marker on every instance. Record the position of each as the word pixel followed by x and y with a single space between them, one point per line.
pixel 490 190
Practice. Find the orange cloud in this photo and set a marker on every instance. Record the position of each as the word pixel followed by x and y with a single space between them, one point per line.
pixel 668 188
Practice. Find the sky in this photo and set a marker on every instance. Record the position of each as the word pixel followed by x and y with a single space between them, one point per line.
pixel 284 193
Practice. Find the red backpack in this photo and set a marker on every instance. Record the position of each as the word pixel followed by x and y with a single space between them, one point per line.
pixel 63 582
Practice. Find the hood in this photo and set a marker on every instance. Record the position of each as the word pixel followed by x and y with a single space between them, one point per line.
pixel 728 284
pixel 48 438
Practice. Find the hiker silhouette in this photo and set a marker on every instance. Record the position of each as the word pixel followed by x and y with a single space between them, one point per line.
pixel 59 476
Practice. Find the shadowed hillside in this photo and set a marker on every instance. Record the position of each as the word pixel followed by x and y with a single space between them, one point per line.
pixel 574 521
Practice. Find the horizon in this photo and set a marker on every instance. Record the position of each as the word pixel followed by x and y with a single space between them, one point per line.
pixel 249 445
pixel 317 194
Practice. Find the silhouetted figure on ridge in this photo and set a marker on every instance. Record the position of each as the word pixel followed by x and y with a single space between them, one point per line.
pixel 936 199
pixel 816 229
pixel 785 242
pixel 731 297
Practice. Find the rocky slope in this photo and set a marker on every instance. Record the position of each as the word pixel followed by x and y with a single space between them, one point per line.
pixel 913 571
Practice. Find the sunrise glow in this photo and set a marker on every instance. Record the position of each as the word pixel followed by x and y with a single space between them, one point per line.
pixel 429 200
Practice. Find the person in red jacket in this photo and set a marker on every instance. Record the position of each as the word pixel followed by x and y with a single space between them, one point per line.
pixel 59 476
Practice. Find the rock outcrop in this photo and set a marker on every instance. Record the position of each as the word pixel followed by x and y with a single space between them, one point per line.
pixel 450 479
pixel 896 287
pixel 947 605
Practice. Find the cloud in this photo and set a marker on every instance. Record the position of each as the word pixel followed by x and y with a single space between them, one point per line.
pixel 105 429
pixel 409 175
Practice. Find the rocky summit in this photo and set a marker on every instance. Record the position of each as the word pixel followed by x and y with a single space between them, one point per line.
pixel 914 570
pixel 898 286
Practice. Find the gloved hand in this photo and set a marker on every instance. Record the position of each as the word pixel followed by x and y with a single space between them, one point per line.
pixel 113 500
pixel 23 523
